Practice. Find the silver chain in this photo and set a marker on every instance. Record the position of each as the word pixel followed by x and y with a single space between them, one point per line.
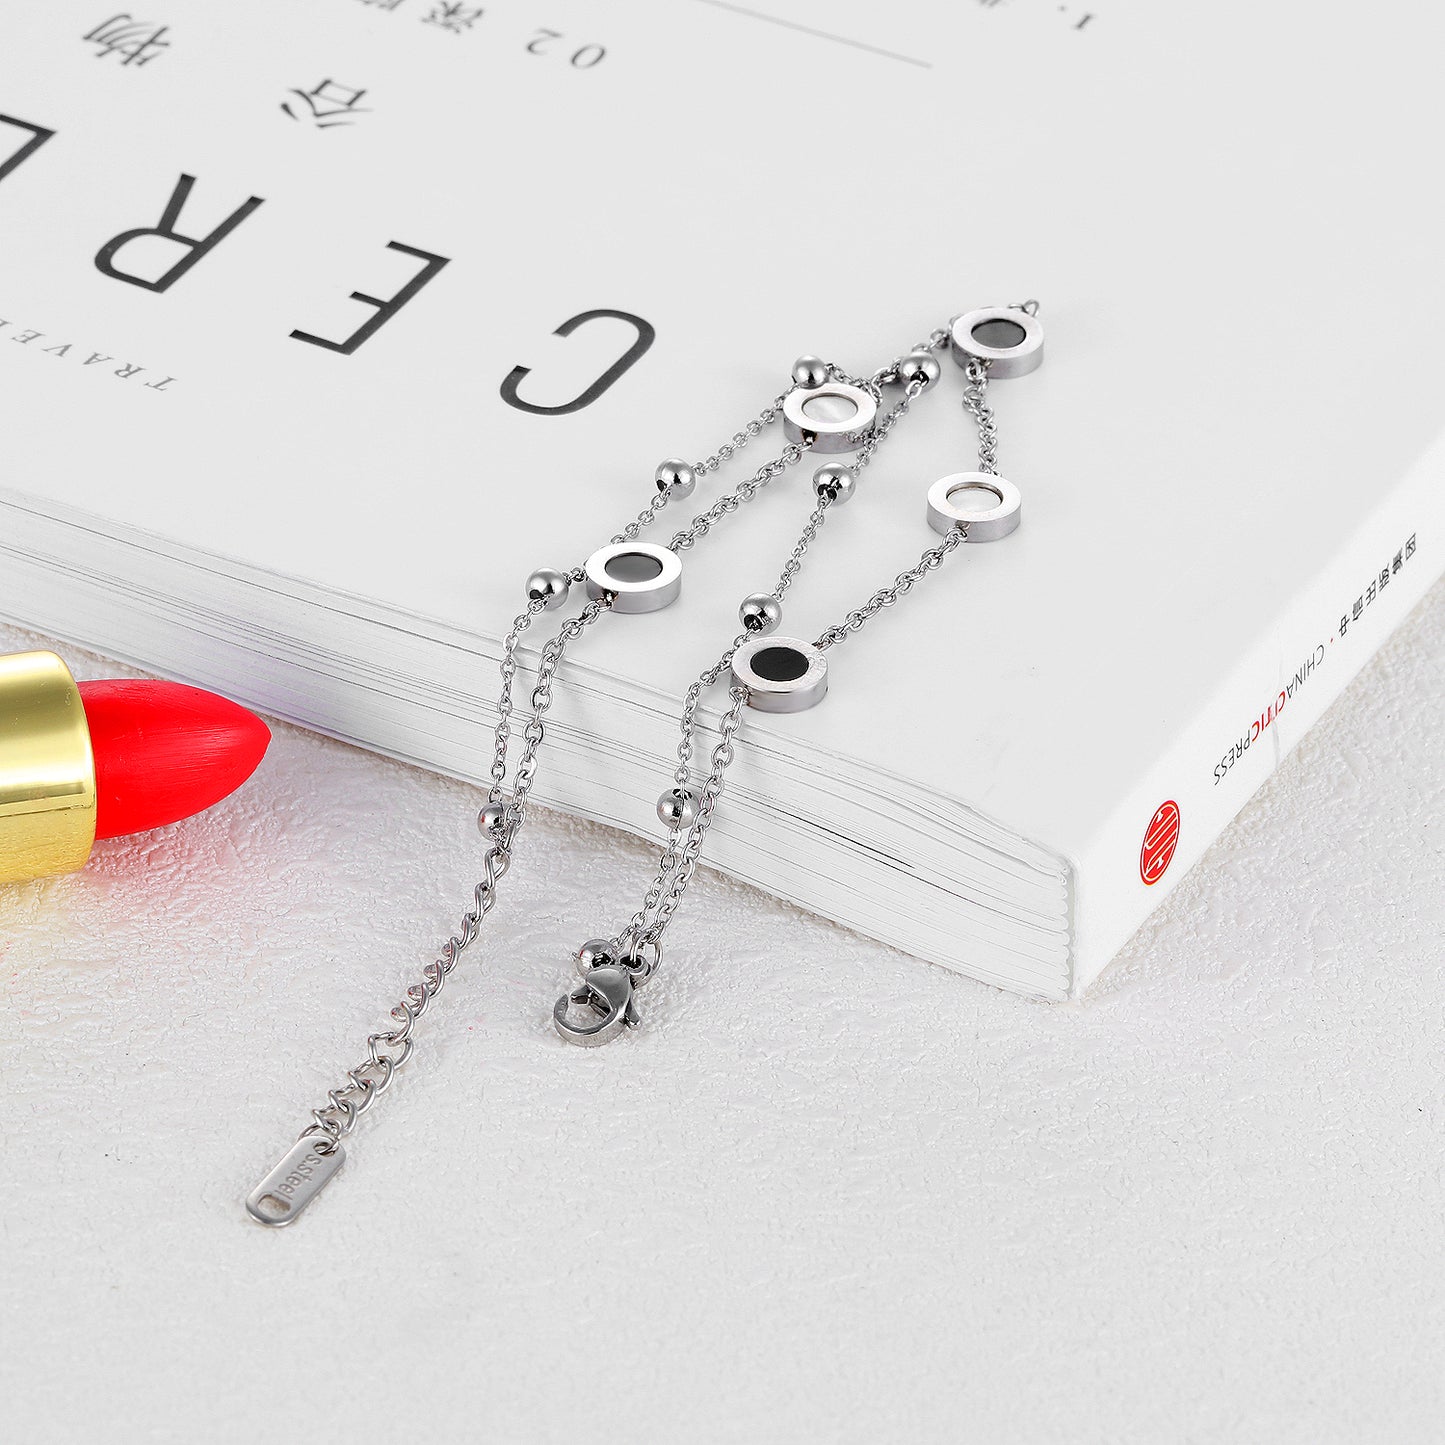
pixel 684 845
pixel 648 515
pixel 390 1048
pixel 744 492
pixel 975 399
pixel 902 584
pixel 740 439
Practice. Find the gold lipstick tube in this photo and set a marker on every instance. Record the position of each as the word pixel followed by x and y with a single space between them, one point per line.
pixel 47 769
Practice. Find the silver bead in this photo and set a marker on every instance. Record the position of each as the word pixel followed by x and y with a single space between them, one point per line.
pixel 549 586
pixel 835 481
pixel 810 371
pixel 918 365
pixel 595 953
pixel 677 808
pixel 760 613
pixel 491 818
pixel 675 478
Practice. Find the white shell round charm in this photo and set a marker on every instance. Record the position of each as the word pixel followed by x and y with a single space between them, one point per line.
pixel 637 576
pixel 1009 338
pixel 988 506
pixel 835 417
pixel 781 674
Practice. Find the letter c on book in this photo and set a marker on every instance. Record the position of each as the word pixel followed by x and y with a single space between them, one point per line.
pixel 646 334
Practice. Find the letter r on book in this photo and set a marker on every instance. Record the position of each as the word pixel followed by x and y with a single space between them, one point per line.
pixel 196 246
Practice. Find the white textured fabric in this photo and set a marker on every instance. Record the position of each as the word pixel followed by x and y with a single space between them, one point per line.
pixel 827 1193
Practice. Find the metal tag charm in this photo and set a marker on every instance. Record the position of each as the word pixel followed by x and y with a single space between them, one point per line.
pixel 301 1173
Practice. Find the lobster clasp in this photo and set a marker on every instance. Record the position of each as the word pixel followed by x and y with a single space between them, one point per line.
pixel 606 991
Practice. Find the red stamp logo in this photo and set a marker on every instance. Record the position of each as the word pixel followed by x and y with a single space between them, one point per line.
pixel 1161 838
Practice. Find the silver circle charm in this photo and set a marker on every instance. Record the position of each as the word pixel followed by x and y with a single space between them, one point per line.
pixel 760 613
pixel 1006 336
pixel 987 505
pixel 549 586
pixel 637 576
pixel 835 417
pixel 781 674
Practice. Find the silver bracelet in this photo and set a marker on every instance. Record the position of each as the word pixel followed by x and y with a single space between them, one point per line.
pixel 825 411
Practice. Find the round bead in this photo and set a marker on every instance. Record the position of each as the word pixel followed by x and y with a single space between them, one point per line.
pixel 595 953
pixel 836 482
pixel 810 371
pixel 675 478
pixel 1009 338
pixel 781 674
pixel 491 818
pixel 833 417
pixel 760 613
pixel 677 808
pixel 987 505
pixel 549 586
pixel 918 366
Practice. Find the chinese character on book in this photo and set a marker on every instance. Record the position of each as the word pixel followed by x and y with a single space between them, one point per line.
pixel 454 18
pixel 327 105
pixel 137 42
pixel 382 4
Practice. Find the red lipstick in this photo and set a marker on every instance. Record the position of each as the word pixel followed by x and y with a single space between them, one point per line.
pixel 99 759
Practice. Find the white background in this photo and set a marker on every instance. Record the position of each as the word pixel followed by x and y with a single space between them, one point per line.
pixel 827 1193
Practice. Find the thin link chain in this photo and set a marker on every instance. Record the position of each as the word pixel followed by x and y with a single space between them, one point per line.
pixel 508 670
pixel 975 399
pixel 903 584
pixel 740 439
pixel 744 492
pixel 938 338
pixel 389 1049
pixel 794 563
pixel 864 454
pixel 681 859
pixel 637 930
pixel 785 580
pixel 792 454
pixel 532 734
pixel 674 870
pixel 684 847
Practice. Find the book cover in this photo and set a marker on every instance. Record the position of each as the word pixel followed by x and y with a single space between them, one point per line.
pixel 323 327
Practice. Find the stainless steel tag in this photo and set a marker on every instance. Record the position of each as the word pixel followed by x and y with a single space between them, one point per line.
pixel 301 1173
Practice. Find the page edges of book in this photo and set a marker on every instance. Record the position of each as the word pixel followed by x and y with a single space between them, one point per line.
pixel 1291 675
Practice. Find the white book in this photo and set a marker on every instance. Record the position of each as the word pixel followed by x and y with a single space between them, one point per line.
pixel 1230 459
